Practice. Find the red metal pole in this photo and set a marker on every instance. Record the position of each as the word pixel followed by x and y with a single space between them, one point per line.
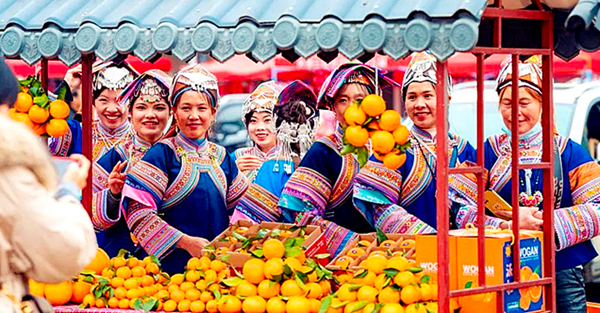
pixel 515 164
pixel 86 98
pixel 443 226
pixel 44 73
pixel 480 183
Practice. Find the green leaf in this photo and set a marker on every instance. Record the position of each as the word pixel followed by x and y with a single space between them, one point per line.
pixel 41 100
pixel 217 295
pixel 537 270
pixel 150 305
pixel 262 233
pixel 354 287
pixel 103 281
pixel 123 253
pixel 381 236
pixel 322 256
pixel 415 270
pixel 391 272
pixel 62 92
pixel 272 283
pixel 377 307
pixel 348 148
pixel 232 282
pixel 238 236
pixel 363 156
pixel 248 242
pixel 369 120
pixel 89 279
pixel 300 282
pixel 361 273
pixel 26 82
pixel 97 292
pixel 275 233
pixel 225 258
pixel 340 305
pixel 210 248
pixel 468 284
pixel 137 304
pixel 258 253
pixel 360 305
pixel 287 270
pixel 425 279
pixel 387 282
pixel 325 304
pixel 293 252
pixel 155 261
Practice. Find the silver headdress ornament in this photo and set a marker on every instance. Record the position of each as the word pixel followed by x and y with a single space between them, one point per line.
pixel 149 87
pixel 195 77
pixel 113 78
pixel 262 99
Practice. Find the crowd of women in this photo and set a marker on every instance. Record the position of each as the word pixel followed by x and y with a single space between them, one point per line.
pixel 169 192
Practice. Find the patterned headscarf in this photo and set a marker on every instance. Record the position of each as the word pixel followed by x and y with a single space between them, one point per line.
pixel 197 78
pixel 150 83
pixel 111 75
pixel 422 68
pixel 293 128
pixel 530 74
pixel 350 73
pixel 262 99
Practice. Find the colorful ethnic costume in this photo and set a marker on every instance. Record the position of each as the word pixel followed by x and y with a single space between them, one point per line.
pixel 181 185
pixel 321 187
pixel 112 231
pixel 576 214
pixel 403 200
pixel 294 136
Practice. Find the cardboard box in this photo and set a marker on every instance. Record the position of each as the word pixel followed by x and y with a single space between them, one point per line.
pixel 231 246
pixel 426 257
pixel 499 270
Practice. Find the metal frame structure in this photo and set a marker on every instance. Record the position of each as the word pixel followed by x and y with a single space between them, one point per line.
pixel 547 165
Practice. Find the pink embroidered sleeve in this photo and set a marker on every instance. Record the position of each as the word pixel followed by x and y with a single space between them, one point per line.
pixel 467 214
pixel 336 236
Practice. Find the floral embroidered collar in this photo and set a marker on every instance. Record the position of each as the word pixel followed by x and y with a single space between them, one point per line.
pixel 265 155
pixel 531 139
pixel 191 145
pixel 113 133
pixel 338 136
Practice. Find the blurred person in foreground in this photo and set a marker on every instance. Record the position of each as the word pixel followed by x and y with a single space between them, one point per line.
pixel 44 235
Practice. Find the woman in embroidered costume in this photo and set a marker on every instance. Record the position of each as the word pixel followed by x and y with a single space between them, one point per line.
pixel 295 124
pixel 257 115
pixel 403 200
pixel 321 187
pixel 576 215
pixel 147 98
pixel 180 195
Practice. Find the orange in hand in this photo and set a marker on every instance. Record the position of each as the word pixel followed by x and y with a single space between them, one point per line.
pixel 57 127
pixel 24 102
pixel 38 115
pixel 59 109
pixel 356 136
pixel 354 115
pixel 389 120
pixel 382 142
pixel 373 105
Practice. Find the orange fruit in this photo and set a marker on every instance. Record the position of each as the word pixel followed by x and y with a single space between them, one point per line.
pixel 185 286
pixel 273 268
pixel 124 272
pixel 23 118
pixel 24 102
pixel 89 300
pixel 212 306
pixel 177 295
pixel 355 252
pixel 138 271
pixel 118 261
pixel 101 303
pixel 326 286
pixel 59 294
pixel 229 304
pixel 276 305
pixel 12 112
pixel 217 265
pixel 401 135
pixel 352 307
pixel 268 289
pixel 297 305
pixel 376 264
pixel 204 263
pixel 315 305
pixel 411 294
pixel 382 141
pixel 367 293
pixel 149 290
pixel 124 304
pixel 162 295
pixel 193 264
pixel 177 279
pixel 290 288
pixel 147 280
pixel 526 273
pixel 253 270
pixel 394 160
pixel 315 291
pixel 392 308
pixel 254 304
pixel 193 294
pixel 38 115
pixel 368 280
pixel 80 290
pixel 273 248
pixel 170 306
pixel 184 305
pixel 57 127
pixel 525 301
pixel 134 293
pixel 354 115
pixel 117 282
pixel 426 292
pixel 246 289
pixel 197 306
pixel 344 293
pixel 344 261
pixel 152 268
pixel 131 283
pixel 404 279
pixel 133 262
pixel 121 293
pixel 398 262
pixel 373 105
pixel 372 127
pixel 389 120
pixel 36 289
pixel 368 308
pixel 535 293
pixel 293 263
pixel 113 303
pixel 356 136
pixel 59 109
pixel 39 129
pixel 388 295
pixel 206 296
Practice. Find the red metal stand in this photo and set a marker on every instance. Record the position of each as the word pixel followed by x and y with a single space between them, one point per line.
pixel 86 110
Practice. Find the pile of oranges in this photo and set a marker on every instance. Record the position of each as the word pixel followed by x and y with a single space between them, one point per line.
pixel 385 285
pixel 35 110
pixel 369 119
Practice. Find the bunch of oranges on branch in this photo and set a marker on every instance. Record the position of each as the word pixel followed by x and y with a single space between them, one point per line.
pixel 369 119
pixel 34 109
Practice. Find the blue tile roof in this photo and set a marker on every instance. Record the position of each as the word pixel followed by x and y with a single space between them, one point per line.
pixel 32 29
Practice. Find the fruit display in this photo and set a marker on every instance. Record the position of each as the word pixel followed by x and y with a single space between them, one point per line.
pixel 369 120
pixel 358 253
pixel 244 239
pixel 34 109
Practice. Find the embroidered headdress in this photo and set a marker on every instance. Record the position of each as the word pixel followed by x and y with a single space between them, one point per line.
pixel 262 99
pixel 197 78
pixel 296 119
pixel 111 75
pixel 150 83
pixel 373 78
pixel 530 74
pixel 422 68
